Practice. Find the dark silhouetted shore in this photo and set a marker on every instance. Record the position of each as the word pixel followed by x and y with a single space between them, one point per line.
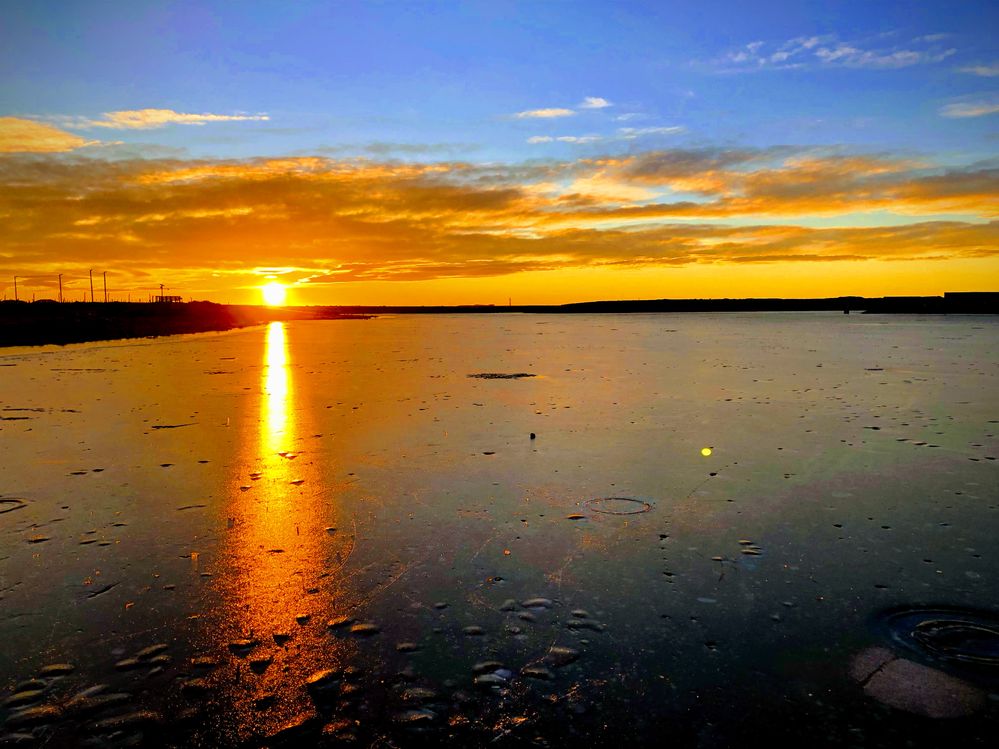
pixel 39 323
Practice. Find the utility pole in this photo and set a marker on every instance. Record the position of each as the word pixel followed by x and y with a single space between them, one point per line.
pixel 105 287
pixel 60 288
pixel 15 288
pixel 91 285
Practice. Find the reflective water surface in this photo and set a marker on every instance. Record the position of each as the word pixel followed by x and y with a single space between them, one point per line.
pixel 682 528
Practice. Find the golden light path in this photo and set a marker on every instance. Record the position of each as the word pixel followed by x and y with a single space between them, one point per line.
pixel 276 386
pixel 277 548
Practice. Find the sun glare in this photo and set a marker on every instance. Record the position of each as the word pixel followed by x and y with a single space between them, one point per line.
pixel 274 294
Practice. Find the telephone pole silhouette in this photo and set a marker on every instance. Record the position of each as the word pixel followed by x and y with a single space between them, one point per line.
pixel 105 287
pixel 60 287
pixel 91 284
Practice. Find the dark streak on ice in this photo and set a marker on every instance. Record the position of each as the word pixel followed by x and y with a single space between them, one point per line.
pixel 105 589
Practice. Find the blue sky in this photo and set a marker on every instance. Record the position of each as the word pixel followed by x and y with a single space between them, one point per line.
pixel 390 151
pixel 342 75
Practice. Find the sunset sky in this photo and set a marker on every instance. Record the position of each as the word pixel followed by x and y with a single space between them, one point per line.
pixel 426 153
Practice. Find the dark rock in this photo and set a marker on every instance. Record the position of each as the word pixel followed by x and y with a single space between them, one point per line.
pixel 34 716
pixel 322 681
pixel 490 681
pixel 128 721
pixel 195 687
pixel 264 701
pixel 483 667
pixel 414 717
pixel 57 669
pixel 537 672
pixel 537 603
pixel 295 731
pixel 151 651
pixel 89 704
pixel 418 694
pixel 18 739
pixel 561 656
pixel 259 665
pixel 26 697
pixel 244 646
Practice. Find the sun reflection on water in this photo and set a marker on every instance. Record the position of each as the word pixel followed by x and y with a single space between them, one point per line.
pixel 279 550
pixel 277 390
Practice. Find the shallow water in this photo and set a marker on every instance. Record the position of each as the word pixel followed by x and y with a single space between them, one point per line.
pixel 283 485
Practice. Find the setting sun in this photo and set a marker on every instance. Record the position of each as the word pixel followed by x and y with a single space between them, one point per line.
pixel 274 294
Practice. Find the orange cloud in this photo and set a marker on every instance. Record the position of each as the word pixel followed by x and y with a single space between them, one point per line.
pixel 780 182
pixel 214 224
pixel 145 119
pixel 27 136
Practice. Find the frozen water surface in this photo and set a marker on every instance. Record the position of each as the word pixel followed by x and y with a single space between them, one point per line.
pixel 318 533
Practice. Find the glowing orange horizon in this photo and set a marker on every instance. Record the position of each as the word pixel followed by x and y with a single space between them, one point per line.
pixel 649 225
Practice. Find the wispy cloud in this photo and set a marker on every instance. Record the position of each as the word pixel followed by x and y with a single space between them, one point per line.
pixel 622 133
pixel 630 133
pixel 547 113
pixel 854 57
pixel 19 135
pixel 594 102
pixel 385 148
pixel 978 108
pixel 578 139
pixel 985 71
pixel 828 51
pixel 145 119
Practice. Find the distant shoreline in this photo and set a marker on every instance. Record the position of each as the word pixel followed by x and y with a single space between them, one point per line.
pixel 949 303
pixel 45 323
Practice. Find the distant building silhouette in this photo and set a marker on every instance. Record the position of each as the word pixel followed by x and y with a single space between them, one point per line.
pixel 167 298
